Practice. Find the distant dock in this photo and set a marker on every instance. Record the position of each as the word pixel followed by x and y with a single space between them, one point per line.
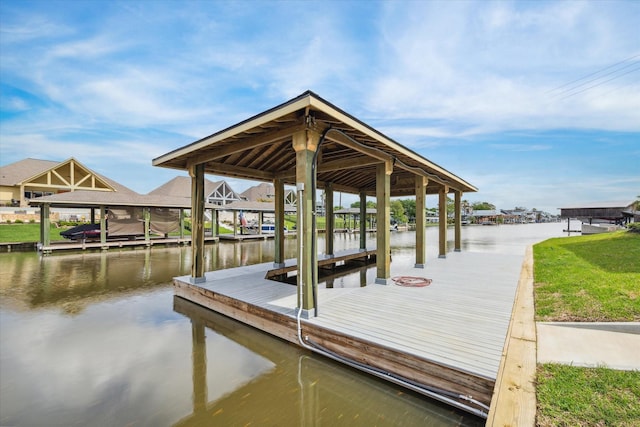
pixel 73 245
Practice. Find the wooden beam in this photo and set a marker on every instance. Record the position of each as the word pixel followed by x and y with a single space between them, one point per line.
pixel 342 188
pixel 242 172
pixel 86 177
pixel 361 148
pixel 350 163
pixel 252 142
pixel 36 185
pixel 61 178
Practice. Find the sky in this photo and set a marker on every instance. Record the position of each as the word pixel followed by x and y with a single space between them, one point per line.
pixel 535 103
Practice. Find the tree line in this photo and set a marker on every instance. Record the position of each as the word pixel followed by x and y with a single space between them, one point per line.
pixel 404 210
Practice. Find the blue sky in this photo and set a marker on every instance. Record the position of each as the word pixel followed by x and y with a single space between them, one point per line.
pixel 535 103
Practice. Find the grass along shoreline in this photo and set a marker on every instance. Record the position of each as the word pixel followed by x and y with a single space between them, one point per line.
pixel 587 278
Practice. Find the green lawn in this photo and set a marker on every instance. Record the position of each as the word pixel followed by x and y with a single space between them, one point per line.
pixel 588 278
pixel 14 233
pixel 572 396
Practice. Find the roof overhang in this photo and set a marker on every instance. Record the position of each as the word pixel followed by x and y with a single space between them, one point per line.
pixel 260 148
pixel 94 199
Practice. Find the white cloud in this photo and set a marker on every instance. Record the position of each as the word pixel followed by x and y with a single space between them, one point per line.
pixel 488 64
pixel 145 78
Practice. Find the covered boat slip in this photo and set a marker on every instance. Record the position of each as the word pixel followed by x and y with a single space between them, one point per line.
pixel 309 143
pixel 443 342
pixel 124 220
pixel 446 338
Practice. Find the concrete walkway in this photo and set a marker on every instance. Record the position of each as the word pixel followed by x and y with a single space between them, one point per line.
pixel 613 345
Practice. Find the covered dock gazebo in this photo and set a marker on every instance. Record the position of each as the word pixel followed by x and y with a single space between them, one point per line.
pixel 130 213
pixel 615 212
pixel 311 144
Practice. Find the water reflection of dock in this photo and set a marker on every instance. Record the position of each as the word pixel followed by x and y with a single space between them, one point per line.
pixel 319 384
pixel 446 338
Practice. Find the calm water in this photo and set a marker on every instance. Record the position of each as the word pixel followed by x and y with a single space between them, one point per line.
pixel 98 339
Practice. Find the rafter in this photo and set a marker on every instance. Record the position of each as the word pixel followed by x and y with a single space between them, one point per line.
pixel 255 141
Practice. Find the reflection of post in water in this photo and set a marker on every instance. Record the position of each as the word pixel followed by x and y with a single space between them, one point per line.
pixel 326 392
pixel 104 267
pixel 147 265
pixel 352 273
pixel 199 360
pixel 309 398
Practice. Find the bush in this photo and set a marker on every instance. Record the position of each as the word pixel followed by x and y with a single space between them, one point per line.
pixel 634 227
pixel 18 221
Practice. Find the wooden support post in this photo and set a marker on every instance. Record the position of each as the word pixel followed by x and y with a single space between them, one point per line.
pixel 383 233
pixel 278 261
pixel 363 221
pixel 146 215
pixel 181 224
pixel 329 219
pixel 197 223
pixel 45 225
pixel 103 226
pixel 235 223
pixel 421 196
pixel 216 213
pixel 92 216
pixel 305 143
pixel 442 211
pixel 458 221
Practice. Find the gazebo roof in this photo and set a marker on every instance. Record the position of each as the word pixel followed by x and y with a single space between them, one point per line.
pixel 260 148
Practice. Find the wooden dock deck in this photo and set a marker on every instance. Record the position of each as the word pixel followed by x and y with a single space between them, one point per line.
pixel 445 340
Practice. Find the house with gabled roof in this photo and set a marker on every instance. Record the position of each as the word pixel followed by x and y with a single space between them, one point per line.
pixel 216 193
pixel 265 192
pixel 28 179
